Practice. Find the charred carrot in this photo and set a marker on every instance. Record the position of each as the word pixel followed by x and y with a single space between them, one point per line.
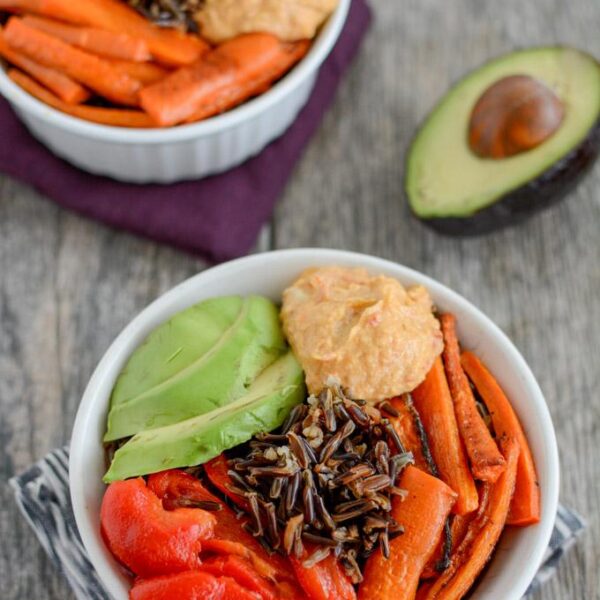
pixel 525 505
pixel 433 401
pixel 406 428
pixel 423 591
pixel 225 77
pixel 482 535
pixel 423 514
pixel 64 87
pixel 97 41
pixel 86 68
pixel 486 461
pixel 167 45
pixel 105 116
pixel 458 529
pixel 145 72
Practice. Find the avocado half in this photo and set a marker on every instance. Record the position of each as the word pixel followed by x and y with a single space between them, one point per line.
pixel 455 191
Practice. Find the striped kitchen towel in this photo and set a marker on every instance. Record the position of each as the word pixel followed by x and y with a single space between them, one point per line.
pixel 42 493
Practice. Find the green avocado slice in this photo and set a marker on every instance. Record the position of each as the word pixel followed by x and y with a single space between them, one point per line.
pixel 450 187
pixel 263 407
pixel 175 345
pixel 203 358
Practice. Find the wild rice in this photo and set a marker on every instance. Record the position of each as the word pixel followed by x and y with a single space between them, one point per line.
pixel 169 13
pixel 325 479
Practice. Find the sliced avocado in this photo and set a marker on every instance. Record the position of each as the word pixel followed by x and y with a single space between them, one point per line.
pixel 175 345
pixel 203 358
pixel 456 191
pixel 192 442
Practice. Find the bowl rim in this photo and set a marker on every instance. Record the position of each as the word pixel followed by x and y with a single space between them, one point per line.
pixel 92 539
pixel 318 52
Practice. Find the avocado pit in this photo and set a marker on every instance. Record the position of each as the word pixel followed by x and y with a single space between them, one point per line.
pixel 459 179
pixel 514 115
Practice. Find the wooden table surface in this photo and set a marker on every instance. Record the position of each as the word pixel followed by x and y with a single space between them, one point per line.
pixel 68 286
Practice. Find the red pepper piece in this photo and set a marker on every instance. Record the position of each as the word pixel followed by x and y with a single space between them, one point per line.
pixel 230 538
pixel 191 585
pixel 243 572
pixel 145 537
pixel 175 487
pixel 324 581
pixel 216 470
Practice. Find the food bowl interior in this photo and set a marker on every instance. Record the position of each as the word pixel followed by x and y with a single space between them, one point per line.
pixel 320 48
pixel 520 551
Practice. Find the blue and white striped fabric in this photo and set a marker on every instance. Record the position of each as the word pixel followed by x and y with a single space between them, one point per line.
pixel 42 493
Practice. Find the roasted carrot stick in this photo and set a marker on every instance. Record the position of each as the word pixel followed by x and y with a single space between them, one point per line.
pixel 167 45
pixel 105 116
pixel 86 68
pixel 64 87
pixel 433 401
pixel 486 461
pixel 406 428
pixel 423 514
pixel 260 84
pixel 525 505
pixel 145 72
pixel 482 535
pixel 423 591
pixel 225 77
pixel 458 529
pixel 96 41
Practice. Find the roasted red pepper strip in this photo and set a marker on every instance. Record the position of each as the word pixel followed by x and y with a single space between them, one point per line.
pixel 191 585
pixel 216 470
pixel 230 537
pixel 324 581
pixel 145 537
pixel 243 572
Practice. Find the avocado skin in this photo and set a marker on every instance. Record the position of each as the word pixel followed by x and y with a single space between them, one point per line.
pixel 546 190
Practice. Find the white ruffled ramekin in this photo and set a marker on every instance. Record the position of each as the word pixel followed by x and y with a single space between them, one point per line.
pixel 183 152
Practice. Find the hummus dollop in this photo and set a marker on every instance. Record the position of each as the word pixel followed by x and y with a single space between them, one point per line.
pixel 376 337
pixel 289 20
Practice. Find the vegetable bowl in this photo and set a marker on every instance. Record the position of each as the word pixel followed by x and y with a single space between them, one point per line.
pixel 230 133
pixel 520 549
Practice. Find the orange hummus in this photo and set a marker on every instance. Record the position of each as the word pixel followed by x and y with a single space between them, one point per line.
pixel 369 332
pixel 289 20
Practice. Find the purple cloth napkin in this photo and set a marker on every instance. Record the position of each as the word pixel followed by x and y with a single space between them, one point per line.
pixel 218 217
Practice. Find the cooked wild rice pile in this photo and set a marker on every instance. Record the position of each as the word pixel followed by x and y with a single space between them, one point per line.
pixel 325 480
pixel 169 13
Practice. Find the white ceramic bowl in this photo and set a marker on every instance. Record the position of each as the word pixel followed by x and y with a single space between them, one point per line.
pixel 183 152
pixel 520 551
